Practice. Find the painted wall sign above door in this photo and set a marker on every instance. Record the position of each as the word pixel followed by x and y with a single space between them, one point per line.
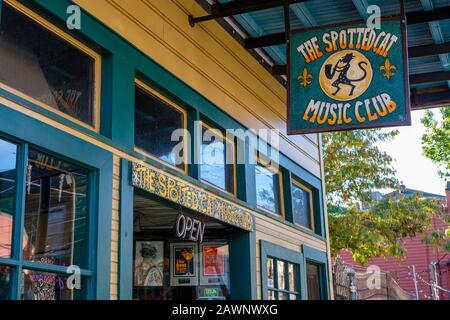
pixel 347 77
pixel 186 194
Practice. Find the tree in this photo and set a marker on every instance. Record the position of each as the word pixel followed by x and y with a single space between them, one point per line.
pixel 436 140
pixel 380 230
pixel 354 168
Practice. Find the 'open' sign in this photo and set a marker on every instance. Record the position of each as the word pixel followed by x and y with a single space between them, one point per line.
pixel 189 228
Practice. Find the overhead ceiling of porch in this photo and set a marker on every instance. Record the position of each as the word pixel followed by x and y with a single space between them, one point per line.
pixel 259 25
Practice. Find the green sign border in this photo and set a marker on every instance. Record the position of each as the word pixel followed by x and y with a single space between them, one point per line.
pixel 407 106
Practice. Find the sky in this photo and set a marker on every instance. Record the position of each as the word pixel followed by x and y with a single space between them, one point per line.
pixel 415 170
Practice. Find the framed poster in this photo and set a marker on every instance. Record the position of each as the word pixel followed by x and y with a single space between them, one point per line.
pixel 348 76
pixel 149 263
pixel 214 264
pixel 183 264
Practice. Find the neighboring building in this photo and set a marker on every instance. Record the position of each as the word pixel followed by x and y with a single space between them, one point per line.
pixel 88 171
pixel 420 257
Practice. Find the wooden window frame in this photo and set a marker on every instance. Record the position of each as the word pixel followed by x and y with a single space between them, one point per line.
pixel 78 45
pixel 288 291
pixel 155 94
pixel 226 140
pixel 282 211
pixel 302 186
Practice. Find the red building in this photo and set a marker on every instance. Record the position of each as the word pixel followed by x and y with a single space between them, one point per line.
pixel 420 257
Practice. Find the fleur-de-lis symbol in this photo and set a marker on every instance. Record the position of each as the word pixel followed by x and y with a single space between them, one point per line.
pixel 304 78
pixel 387 67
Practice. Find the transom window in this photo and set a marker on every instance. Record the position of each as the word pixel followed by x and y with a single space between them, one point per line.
pixel 158 127
pixel 302 205
pixel 268 189
pixel 217 159
pixel 282 280
pixel 55 225
pixel 47 67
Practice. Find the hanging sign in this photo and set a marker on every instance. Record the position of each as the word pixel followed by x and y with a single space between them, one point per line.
pixel 189 228
pixel 347 77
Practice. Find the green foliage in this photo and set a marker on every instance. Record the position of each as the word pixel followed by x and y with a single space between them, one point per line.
pixel 380 230
pixel 436 140
pixel 354 166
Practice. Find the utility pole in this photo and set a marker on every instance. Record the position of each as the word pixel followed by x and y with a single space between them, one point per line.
pixel 415 281
pixel 433 281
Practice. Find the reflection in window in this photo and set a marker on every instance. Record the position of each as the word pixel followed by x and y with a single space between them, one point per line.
pixel 155 122
pixel 281 275
pixel 56 217
pixel 282 280
pixel 5 282
pixel 8 172
pixel 48 286
pixel 42 65
pixel 270 273
pixel 217 159
pixel 267 189
pixel 313 281
pixel 301 205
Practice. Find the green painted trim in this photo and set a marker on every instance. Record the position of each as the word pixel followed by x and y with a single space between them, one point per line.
pixel 18 223
pixel 126 217
pixel 53 269
pixel 195 138
pixel 320 258
pixel 243 280
pixel 319 216
pixel 287 192
pixel 271 250
pixel 78 151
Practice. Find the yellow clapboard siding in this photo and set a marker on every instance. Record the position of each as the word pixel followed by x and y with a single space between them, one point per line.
pixel 199 56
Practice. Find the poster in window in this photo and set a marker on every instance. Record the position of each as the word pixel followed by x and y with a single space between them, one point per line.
pixel 149 264
pixel 183 264
pixel 184 261
pixel 213 260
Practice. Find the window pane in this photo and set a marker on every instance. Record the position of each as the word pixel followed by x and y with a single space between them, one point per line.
pixel 38 285
pixel 216 167
pixel 270 273
pixel 313 281
pixel 8 172
pixel 281 274
pixel 267 189
pixel 282 296
pixel 293 297
pixel 292 278
pixel 154 123
pixel 56 211
pixel 45 67
pixel 5 283
pixel 301 206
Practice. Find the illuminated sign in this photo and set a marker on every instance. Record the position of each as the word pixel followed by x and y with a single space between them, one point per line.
pixel 189 228
pixel 348 76
pixel 189 196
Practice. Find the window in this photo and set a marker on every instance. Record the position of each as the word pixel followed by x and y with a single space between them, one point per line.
pixel 217 159
pixel 47 67
pixel 8 173
pixel 302 208
pixel 282 280
pixel 56 225
pixel 156 119
pixel 56 217
pixel 313 281
pixel 268 189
